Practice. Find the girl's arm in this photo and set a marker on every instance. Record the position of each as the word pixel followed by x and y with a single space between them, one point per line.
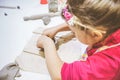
pixel 62 27
pixel 51 32
pixel 54 63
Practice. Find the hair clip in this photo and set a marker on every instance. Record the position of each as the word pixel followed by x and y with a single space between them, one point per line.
pixel 67 15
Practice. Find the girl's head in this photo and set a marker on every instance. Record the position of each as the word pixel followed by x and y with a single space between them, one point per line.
pixel 97 18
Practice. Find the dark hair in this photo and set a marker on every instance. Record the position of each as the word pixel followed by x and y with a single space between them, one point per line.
pixel 97 13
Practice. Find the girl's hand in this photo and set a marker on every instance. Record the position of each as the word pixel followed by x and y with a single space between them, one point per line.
pixel 54 63
pixel 43 40
pixel 50 32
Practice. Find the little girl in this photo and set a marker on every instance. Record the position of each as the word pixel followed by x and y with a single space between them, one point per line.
pixel 95 23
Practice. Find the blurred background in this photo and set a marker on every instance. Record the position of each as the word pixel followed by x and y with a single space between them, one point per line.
pixel 15 32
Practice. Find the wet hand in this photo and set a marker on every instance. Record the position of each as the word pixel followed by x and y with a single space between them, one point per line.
pixel 50 32
pixel 43 40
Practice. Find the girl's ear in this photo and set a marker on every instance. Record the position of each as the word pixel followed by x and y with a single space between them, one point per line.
pixel 97 35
